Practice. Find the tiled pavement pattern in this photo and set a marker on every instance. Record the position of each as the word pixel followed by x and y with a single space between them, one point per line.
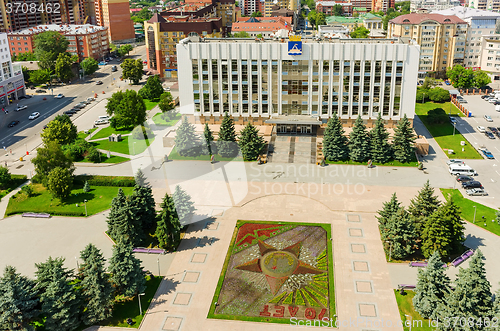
pixel 293 149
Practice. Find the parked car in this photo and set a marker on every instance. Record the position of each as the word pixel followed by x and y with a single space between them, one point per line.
pixel 488 118
pixel 487 153
pixel 59 96
pixel 481 129
pixel 80 105
pixel 75 109
pixel 447 82
pixel 34 115
pixel 461 100
pixel 98 82
pixel 489 135
pixel 114 68
pixel 90 99
pixel 13 124
pixel 101 121
pixel 492 100
pixel 476 191
pixel 472 184
pixel 464 178
pixel 484 96
pixel 492 129
pixel 22 107
pixel 102 63
pixel 452 161
pixel 27 96
pixel 40 91
pixel 453 120
pixel 70 112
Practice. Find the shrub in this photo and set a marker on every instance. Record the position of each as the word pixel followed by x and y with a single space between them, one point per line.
pixel 27 190
pixel 438 94
pixel 437 116
pixel 77 149
pixel 5 177
pixel 118 181
pixel 86 187
pixel 94 155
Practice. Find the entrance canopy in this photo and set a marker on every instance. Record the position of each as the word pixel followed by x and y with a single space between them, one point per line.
pixel 294 119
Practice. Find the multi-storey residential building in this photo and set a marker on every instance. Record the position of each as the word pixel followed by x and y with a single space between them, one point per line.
pixel 163 34
pixel 490 56
pixel 115 15
pixel 299 84
pixel 84 40
pixel 493 5
pixel 269 6
pixel 481 23
pixel 370 21
pixel 382 5
pixel 265 26
pixel 441 39
pixel 327 7
pixel 251 6
pixel 431 5
pixel 11 75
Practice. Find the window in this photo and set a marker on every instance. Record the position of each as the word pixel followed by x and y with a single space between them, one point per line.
pixel 490 58
pixel 488 64
pixel 444 62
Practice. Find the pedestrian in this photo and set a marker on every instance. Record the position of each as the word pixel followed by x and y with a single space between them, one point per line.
pixel 212 158
pixel 4 148
pixel 10 151
pixel 5 164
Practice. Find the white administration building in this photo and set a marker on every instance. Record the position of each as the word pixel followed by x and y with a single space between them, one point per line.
pixel 297 84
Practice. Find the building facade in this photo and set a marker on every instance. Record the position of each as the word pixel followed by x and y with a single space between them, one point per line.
pixel 490 56
pixel 432 5
pixel 305 81
pixel 327 7
pixel 163 34
pixel 382 5
pixel 115 15
pixel 492 5
pixel 84 40
pixel 11 76
pixel 441 38
pixel 264 26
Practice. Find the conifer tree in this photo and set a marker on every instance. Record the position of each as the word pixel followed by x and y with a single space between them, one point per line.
pixel 209 147
pixel 423 205
pixel 335 143
pixel 471 298
pixel 125 218
pixel 381 149
pixel 433 285
pixel 400 234
pixel 404 140
pixel 95 286
pixel 183 205
pixel 126 271
pixel 251 144
pixel 86 187
pixel 45 269
pixel 60 302
pixel 18 301
pixel 187 142
pixel 452 214
pixel 359 144
pixel 168 229
pixel 142 199
pixel 226 144
pixel 390 208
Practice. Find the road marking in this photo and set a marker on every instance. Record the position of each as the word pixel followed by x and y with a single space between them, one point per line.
pixel 497 149
pixel 474 119
pixel 497 173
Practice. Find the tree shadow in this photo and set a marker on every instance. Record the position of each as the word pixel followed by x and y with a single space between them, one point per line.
pixel 167 286
pixel 196 242
pixel 473 241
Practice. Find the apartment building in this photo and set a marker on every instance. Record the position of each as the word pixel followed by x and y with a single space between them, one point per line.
pixel 382 5
pixel 432 5
pixel 163 34
pixel 84 40
pixel 269 6
pixel 11 76
pixel 490 56
pixel 264 26
pixel 327 7
pixel 298 84
pixel 115 15
pixel 248 7
pixel 480 23
pixel 370 21
pixel 441 38
pixel 492 5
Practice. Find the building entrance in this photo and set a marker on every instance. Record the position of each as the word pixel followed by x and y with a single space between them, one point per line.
pixel 294 128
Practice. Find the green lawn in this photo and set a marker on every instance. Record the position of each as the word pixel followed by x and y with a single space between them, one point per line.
pixel 388 164
pixel 136 146
pixel 83 135
pixel 160 121
pixel 467 207
pixel 108 131
pixel 175 156
pixel 104 159
pixel 150 104
pixel 423 108
pixel 405 305
pixel 98 199
pixel 130 309
pixel 443 133
pixel 16 181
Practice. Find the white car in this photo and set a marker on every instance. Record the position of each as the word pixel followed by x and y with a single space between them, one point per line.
pixel 476 191
pixel 481 129
pixel 34 115
pixel 19 108
pixel 492 100
pixel 101 121
pixel 454 161
pixel 488 118
pixel 59 96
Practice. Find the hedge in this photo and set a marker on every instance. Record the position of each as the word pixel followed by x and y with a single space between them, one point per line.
pixel 68 213
pixel 118 181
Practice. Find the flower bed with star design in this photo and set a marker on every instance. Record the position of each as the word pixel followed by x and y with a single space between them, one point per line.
pixel 275 272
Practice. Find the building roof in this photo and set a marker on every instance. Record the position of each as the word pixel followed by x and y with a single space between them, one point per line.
pixel 190 7
pixel 415 18
pixel 369 16
pixel 466 12
pixel 331 3
pixel 262 24
pixel 343 19
pixel 62 28
pixel 134 10
pixel 157 18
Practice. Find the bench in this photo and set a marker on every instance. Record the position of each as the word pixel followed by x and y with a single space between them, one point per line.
pixel 148 250
pixel 462 257
pixel 418 264
pixel 36 215
pixel 406 286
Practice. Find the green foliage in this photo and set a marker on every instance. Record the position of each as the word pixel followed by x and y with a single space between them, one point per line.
pixel 338 10
pixel 403 6
pixel 437 116
pixel 429 83
pixel 142 132
pixel 126 272
pixel 49 157
pixel 422 95
pixel 168 229
pixel 63 67
pixel 19 301
pixel 132 70
pixel 401 235
pixel 86 187
pixel 335 143
pixel 389 209
pixel 183 205
pixel 187 141
pixel 26 56
pixel 316 18
pixel 251 144
pixel 60 182
pixel 117 181
pixel 433 285
pixel 359 144
pixel 423 205
pixel 60 130
pixel 142 199
pixel 209 146
pixel 5 177
pixel 481 79
pixel 27 190
pixel 140 178
pixel 256 14
pixel 143 15
pixel 241 34
pixel 125 49
pixel 124 220
pixel 41 76
pixel 95 286
pixel 403 142
pixel 460 77
pixel 390 15
pixel 226 144
pixel 166 103
pixel 152 90
pixel 77 149
pixel 360 32
pixel 89 65
pixel 93 155
pixel 260 36
pixel 48 46
pixel 26 74
pixel 379 137
pixel 439 94
pixel 128 109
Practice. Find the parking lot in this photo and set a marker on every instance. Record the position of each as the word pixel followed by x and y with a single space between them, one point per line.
pixel 488 169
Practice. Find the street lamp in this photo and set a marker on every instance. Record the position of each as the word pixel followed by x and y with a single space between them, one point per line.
pixel 140 307
pixel 85 202
pixel 134 147
pixel 454 126
pixel 423 97
pixel 158 260
pixel 77 265
pixel 409 317
pixel 390 249
pixel 475 209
